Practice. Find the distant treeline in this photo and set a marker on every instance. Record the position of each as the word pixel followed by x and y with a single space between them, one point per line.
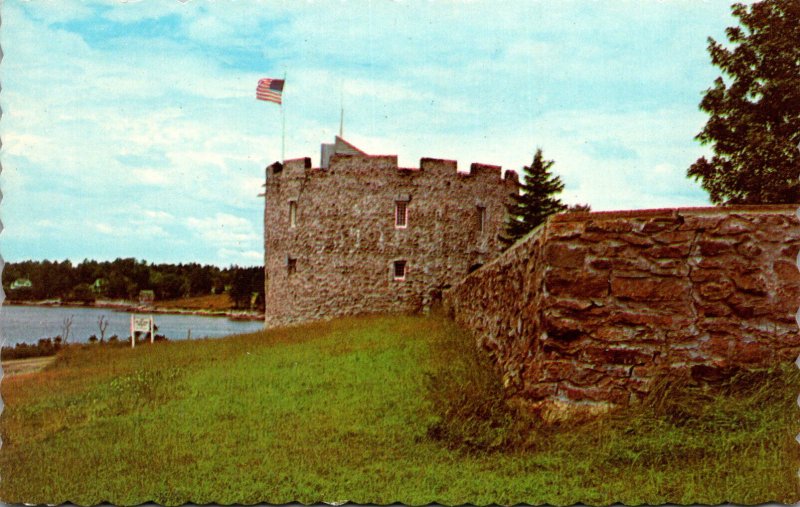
pixel 126 278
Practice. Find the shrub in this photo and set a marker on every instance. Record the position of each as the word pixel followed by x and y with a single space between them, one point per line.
pixel 469 400
pixel 44 347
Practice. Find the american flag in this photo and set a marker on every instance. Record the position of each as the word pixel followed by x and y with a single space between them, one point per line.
pixel 270 89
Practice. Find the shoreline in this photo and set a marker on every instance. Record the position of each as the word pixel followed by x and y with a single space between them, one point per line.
pixel 130 307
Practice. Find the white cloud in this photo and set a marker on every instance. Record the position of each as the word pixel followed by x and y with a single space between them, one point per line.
pixel 150 177
pixel 157 215
pixel 241 257
pixel 224 229
pixel 95 106
pixel 104 228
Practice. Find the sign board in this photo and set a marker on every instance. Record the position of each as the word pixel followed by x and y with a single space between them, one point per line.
pixel 141 324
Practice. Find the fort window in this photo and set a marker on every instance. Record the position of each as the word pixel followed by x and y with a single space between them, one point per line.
pixel 480 218
pixel 401 214
pixel 291 266
pixel 399 270
pixel 292 213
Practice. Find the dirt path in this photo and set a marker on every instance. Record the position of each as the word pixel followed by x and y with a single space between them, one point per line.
pixel 19 366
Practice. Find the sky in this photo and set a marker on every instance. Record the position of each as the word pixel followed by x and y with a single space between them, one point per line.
pixel 132 129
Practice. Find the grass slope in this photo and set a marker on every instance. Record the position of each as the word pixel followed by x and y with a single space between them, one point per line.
pixel 370 410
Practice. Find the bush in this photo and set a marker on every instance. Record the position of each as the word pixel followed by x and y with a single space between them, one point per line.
pixel 81 293
pixel 469 400
pixel 44 347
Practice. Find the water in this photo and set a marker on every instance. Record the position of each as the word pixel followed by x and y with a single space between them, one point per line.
pixel 29 323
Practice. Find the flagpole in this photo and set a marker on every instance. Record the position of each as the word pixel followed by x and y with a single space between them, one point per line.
pixel 341 111
pixel 283 127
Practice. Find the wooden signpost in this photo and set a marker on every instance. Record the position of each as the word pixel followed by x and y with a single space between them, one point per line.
pixel 141 324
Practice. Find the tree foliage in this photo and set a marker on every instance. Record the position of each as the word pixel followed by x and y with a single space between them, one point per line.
pixel 245 282
pixel 754 123
pixel 579 208
pixel 536 201
pixel 124 278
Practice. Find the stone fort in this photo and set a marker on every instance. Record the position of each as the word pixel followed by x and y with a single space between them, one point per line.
pixel 358 234
pixel 583 314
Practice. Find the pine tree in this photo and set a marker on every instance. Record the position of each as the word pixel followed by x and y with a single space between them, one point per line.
pixel 536 201
pixel 754 112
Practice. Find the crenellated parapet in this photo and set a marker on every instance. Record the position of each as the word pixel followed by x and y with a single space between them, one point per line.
pixel 377 166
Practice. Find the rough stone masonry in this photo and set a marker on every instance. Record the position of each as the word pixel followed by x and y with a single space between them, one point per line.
pixel 588 310
pixel 363 235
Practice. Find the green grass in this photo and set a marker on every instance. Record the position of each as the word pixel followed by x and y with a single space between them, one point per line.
pixel 372 410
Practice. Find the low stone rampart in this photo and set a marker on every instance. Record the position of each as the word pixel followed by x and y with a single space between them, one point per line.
pixel 590 308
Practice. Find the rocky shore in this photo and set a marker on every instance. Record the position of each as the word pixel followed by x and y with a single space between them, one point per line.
pixel 130 306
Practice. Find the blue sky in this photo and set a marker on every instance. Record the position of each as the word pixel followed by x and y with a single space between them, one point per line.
pixel 132 130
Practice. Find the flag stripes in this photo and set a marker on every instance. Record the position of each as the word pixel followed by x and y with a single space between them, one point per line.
pixel 270 90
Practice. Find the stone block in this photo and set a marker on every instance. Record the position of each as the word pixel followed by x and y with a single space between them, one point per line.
pixel 754 283
pixel 649 289
pixel 613 355
pixel 609 225
pixel 563 255
pixel 602 333
pixel 786 272
pixel 717 346
pixel 790 252
pixel 660 224
pixel 728 262
pixel 575 305
pixel 674 237
pixel 749 250
pixel 563 329
pixel 601 264
pixel 752 353
pixel 575 283
pixel 712 248
pixel 706 275
pixel 648 317
pixel 715 291
pixel 732 226
pixel 565 230
pixel 701 222
pixel 668 251
pixel 713 309
pixel 636 239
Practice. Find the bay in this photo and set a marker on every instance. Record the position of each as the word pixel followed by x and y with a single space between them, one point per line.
pixel 28 324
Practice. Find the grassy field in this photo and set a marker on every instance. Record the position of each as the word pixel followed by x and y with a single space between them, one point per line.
pixel 371 410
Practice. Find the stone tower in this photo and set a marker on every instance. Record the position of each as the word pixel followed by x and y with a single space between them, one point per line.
pixel 362 235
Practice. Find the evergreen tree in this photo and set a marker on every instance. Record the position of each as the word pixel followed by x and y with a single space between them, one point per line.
pixel 754 124
pixel 536 201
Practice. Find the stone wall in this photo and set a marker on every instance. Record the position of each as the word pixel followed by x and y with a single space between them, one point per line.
pixel 338 258
pixel 590 308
